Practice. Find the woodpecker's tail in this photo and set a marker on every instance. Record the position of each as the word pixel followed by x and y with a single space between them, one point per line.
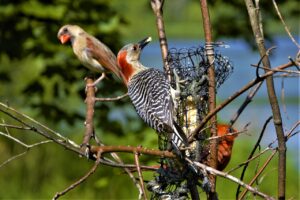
pixel 178 138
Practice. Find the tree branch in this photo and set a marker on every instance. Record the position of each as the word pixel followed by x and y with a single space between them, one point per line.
pixel 93 169
pixel 254 12
pixel 157 7
pixel 213 156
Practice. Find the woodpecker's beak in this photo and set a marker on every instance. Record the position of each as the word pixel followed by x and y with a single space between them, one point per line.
pixel 144 42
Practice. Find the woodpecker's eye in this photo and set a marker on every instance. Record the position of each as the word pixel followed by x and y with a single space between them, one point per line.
pixel 134 48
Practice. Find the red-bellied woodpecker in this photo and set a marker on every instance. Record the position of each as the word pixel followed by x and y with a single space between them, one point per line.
pixel 92 53
pixel 150 93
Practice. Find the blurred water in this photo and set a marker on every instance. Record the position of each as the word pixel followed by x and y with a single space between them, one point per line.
pixel 259 110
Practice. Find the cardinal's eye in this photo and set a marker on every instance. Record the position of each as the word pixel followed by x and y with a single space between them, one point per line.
pixel 65 30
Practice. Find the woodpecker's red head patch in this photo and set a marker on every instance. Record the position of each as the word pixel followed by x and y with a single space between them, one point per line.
pixel 126 67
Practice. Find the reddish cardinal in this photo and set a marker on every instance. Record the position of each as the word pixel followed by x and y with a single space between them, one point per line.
pixel 92 53
pixel 225 145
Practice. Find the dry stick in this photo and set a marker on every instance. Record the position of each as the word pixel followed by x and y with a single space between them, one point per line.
pixel 249 160
pixel 82 179
pixel 232 97
pixel 157 7
pixel 252 153
pixel 283 99
pixel 278 70
pixel 13 158
pixel 229 177
pixel 112 98
pixel 228 134
pixel 284 24
pixel 127 170
pixel 258 174
pixel 245 103
pixel 127 149
pixel 213 156
pixel 137 163
pixel 15 126
pixel 253 13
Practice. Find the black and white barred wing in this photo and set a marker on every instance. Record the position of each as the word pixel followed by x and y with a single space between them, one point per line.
pixel 150 94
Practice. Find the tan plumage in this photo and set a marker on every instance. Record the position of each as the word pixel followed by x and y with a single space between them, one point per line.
pixel 92 53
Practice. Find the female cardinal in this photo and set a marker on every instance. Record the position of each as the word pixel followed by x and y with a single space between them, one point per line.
pixel 225 145
pixel 92 53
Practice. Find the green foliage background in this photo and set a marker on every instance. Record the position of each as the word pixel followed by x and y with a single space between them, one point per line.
pixel 43 79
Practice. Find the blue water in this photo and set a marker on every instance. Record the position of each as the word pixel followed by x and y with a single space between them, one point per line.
pixel 259 110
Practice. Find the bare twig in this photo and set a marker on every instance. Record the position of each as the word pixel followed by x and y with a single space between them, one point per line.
pixel 284 24
pixel 234 96
pixel 283 99
pixel 28 147
pixel 157 7
pixel 93 169
pixel 228 134
pixel 245 103
pixel 127 149
pixel 112 98
pixel 252 153
pixel 249 160
pixel 137 163
pixel 253 16
pixel 278 70
pixel 258 174
pixel 229 177
pixel 13 158
pixel 14 126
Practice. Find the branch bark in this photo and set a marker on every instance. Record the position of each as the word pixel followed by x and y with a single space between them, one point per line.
pixel 254 13
pixel 89 125
pixel 213 156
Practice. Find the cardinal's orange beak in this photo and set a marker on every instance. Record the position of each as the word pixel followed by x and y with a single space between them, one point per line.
pixel 64 38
